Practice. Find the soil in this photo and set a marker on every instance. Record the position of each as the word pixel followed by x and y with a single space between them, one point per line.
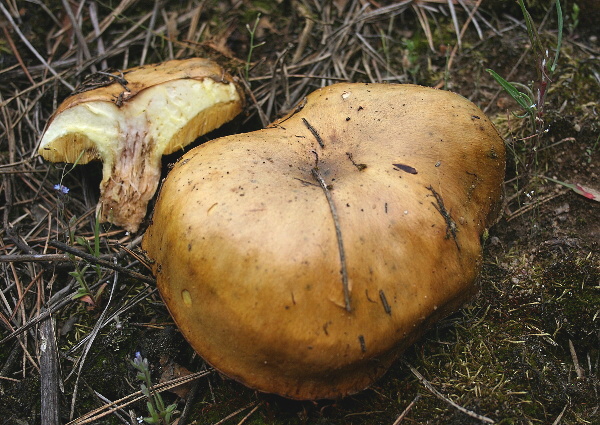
pixel 525 350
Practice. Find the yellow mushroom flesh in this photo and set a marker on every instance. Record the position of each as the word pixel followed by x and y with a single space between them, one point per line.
pixel 129 127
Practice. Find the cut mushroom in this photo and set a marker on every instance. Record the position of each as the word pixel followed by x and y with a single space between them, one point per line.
pixel 302 259
pixel 129 120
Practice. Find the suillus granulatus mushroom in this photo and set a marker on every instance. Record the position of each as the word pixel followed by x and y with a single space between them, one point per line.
pixel 129 120
pixel 303 258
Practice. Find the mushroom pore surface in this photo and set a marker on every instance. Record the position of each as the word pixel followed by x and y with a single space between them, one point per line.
pixel 302 259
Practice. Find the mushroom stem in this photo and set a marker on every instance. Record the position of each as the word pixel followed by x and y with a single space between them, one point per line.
pixel 130 180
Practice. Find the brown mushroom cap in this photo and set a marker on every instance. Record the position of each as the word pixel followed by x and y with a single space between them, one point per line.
pixel 302 259
pixel 132 121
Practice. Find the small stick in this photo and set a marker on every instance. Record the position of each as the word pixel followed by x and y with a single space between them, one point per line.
pixel 250 413
pixel 559 417
pixel 15 51
pixel 78 34
pixel 21 258
pixel 54 307
pixel 363 344
pixel 338 233
pixel 304 36
pixel 261 114
pixel 190 399
pixel 149 33
pixel 86 350
pixel 231 415
pixel 439 395
pixel 459 37
pixel 405 412
pixel 360 167
pixel 451 228
pixel 105 400
pixel 314 132
pixel 32 49
pixel 384 301
pixel 578 368
pixel 50 405
pixel 100 43
pixel 100 262
pixel 109 408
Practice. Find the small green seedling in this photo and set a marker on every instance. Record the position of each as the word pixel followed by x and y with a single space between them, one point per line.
pixel 545 68
pixel 84 293
pixel 590 149
pixel 574 18
pixel 521 98
pixel 253 46
pixel 533 104
pixel 159 413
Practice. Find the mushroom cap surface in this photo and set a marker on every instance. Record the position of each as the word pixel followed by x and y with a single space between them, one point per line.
pixel 129 120
pixel 303 258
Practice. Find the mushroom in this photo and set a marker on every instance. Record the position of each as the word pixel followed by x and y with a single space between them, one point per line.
pixel 129 120
pixel 302 259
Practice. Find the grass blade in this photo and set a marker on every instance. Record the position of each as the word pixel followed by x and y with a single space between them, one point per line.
pixel 559 37
pixel 521 98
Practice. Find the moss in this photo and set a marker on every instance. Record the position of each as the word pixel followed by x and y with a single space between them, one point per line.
pixel 573 299
pixel 502 357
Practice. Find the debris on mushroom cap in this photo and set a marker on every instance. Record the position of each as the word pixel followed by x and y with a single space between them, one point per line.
pixel 129 120
pixel 302 259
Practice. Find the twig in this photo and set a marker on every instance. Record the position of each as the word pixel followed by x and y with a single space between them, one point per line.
pixel 32 49
pixel 264 119
pixel 231 415
pixel 338 233
pixel 190 399
pixel 559 417
pixel 451 228
pixel 122 309
pixel 17 55
pixel 528 207
pixel 405 412
pixel 49 409
pixel 305 35
pixel 578 368
pixel 116 13
pixel 107 409
pixel 42 316
pixel 149 32
pixel 34 258
pixel 250 413
pixel 314 132
pixel 90 258
pixel 100 43
pixel 455 23
pixel 77 30
pixel 107 401
pixel 439 395
pixel 458 44
pixel 88 346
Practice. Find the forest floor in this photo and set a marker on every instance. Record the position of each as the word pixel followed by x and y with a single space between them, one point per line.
pixel 525 350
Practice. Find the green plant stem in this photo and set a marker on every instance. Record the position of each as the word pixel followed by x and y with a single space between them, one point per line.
pixel 252 45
